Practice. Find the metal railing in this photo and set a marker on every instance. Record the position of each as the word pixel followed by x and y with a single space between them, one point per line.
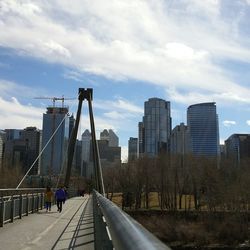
pixel 15 191
pixel 126 233
pixel 16 206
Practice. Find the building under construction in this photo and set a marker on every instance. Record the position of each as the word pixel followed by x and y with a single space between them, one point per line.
pixel 56 135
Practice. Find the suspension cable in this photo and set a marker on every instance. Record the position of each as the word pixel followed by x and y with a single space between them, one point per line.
pixel 41 151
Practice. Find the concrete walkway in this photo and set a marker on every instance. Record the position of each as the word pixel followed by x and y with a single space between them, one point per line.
pixel 73 228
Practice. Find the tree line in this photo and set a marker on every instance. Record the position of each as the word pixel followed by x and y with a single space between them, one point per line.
pixel 206 182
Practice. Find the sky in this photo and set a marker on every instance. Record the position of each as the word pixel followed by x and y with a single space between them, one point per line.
pixel 183 51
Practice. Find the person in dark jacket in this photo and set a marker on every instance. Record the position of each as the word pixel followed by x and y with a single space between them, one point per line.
pixel 60 197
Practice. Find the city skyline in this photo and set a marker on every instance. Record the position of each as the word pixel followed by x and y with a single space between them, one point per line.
pixel 185 52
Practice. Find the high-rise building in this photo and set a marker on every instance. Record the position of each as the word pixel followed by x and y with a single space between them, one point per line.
pixel 22 150
pixel 154 131
pixel 141 138
pixel 54 156
pixel 110 136
pixel 12 134
pixel 179 140
pixel 202 122
pixel 14 148
pixel 110 155
pixel 71 124
pixel 132 148
pixel 31 136
pixel 222 151
pixel 237 147
pixel 2 146
pixel 86 169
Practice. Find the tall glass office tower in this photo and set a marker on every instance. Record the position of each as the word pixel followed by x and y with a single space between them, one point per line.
pixel 86 167
pixel 53 157
pixel 155 128
pixel 202 122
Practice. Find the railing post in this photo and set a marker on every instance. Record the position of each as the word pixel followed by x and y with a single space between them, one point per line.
pixel 41 205
pixel 12 209
pixel 1 212
pixel 27 204
pixel 102 240
pixel 37 205
pixel 20 206
pixel 32 203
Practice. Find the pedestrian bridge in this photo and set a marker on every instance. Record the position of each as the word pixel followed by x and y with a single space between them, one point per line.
pixel 91 222
pixel 73 228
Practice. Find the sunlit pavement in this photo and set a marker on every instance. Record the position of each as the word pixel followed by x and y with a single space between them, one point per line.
pixel 71 229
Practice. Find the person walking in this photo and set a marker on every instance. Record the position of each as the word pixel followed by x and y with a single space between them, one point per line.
pixel 48 199
pixel 60 198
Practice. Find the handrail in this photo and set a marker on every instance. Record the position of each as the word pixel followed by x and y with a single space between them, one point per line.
pixel 20 189
pixel 16 206
pixel 126 233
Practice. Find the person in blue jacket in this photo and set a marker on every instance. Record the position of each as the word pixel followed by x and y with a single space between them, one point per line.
pixel 60 198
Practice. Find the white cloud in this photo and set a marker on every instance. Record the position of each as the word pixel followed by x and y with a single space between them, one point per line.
pixel 16 115
pixel 227 123
pixel 225 97
pixel 117 115
pixel 73 75
pixel 9 89
pixel 145 40
pixel 119 105
pixel 248 122
pixel 100 124
pixel 52 47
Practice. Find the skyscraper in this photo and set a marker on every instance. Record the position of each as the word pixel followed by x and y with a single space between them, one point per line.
pixel 12 134
pixel 54 156
pixel 238 147
pixel 141 138
pixel 86 169
pixel 31 136
pixel 110 155
pixel 132 148
pixel 110 136
pixel 202 122
pixel 71 124
pixel 179 140
pixel 22 148
pixel 109 150
pixel 154 131
pixel 2 145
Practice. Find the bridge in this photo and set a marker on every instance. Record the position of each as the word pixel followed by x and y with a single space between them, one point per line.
pixel 90 222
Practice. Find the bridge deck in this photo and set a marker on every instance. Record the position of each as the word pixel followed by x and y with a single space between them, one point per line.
pixel 71 229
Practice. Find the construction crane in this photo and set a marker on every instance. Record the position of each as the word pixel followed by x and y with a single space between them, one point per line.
pixel 54 99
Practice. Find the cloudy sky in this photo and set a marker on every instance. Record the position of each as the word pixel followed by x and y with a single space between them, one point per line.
pixel 183 51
